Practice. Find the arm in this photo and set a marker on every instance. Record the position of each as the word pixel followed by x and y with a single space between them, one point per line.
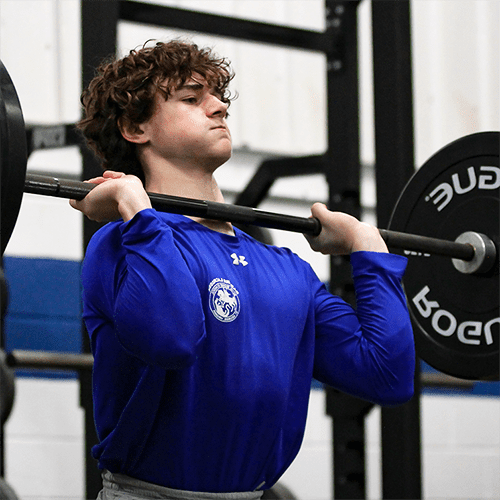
pixel 136 280
pixel 368 352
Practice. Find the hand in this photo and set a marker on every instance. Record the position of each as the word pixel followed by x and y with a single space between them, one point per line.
pixel 342 234
pixel 117 195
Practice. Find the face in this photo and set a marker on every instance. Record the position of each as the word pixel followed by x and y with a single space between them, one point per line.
pixel 189 127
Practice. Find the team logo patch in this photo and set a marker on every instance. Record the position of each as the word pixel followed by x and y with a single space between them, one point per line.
pixel 224 300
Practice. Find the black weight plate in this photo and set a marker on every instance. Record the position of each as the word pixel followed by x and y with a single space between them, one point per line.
pixel 13 155
pixel 455 316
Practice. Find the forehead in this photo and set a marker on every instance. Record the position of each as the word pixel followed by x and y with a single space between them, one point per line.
pixel 174 84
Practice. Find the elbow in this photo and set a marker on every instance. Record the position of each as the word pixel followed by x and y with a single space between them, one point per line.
pixel 400 379
pixel 397 397
pixel 397 386
pixel 399 391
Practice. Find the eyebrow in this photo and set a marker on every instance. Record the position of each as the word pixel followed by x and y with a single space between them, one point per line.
pixel 191 86
pixel 196 87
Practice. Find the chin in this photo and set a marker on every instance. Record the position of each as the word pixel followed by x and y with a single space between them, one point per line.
pixel 223 158
pixel 217 161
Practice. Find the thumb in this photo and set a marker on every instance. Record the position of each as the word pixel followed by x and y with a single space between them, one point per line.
pixel 318 210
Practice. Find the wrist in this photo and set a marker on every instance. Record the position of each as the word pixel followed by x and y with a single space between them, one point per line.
pixel 368 239
pixel 131 199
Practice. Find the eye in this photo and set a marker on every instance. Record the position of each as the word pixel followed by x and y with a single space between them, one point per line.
pixel 191 100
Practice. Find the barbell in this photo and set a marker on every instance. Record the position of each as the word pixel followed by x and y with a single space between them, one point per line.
pixel 484 254
pixel 453 199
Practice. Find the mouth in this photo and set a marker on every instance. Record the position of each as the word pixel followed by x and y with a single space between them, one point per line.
pixel 223 129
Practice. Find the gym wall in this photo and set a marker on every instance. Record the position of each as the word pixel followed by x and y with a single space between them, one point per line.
pixel 280 111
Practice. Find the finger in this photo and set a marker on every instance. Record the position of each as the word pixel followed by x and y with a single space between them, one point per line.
pixel 96 180
pixel 111 174
pixel 77 205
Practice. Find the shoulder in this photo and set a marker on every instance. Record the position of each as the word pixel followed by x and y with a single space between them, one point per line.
pixel 149 220
pixel 102 253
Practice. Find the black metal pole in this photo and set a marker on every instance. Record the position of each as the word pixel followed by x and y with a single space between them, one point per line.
pixel 342 170
pixel 45 360
pixel 393 103
pixel 348 430
pixel 393 99
pixel 225 26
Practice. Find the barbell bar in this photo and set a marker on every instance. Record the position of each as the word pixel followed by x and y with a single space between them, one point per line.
pixel 62 188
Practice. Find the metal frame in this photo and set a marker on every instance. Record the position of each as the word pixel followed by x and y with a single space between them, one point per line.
pixel 225 26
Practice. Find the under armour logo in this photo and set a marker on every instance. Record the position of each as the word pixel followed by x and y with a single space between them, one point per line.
pixel 239 259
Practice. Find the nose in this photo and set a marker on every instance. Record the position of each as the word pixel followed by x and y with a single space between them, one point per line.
pixel 217 107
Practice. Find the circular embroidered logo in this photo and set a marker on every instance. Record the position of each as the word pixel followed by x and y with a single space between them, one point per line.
pixel 224 300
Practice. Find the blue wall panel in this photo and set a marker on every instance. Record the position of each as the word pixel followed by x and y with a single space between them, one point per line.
pixel 44 309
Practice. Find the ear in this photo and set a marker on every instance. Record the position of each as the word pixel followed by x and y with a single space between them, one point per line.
pixel 132 132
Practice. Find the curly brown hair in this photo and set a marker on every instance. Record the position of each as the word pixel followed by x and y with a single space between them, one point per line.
pixel 125 89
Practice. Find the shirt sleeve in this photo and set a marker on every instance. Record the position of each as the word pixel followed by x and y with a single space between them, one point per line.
pixel 123 278
pixel 368 352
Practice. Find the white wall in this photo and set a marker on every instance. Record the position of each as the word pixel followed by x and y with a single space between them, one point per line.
pixel 456 70
pixel 456 82
pixel 44 445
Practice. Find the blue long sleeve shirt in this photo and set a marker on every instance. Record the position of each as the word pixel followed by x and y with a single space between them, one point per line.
pixel 205 345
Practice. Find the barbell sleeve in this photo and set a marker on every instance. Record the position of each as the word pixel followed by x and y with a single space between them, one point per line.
pixel 63 188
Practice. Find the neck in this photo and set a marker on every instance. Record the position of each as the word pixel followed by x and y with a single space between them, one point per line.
pixel 188 182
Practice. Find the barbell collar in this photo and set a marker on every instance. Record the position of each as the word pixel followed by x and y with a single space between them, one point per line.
pixel 485 254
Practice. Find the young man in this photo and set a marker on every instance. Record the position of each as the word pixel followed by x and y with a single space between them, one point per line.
pixel 203 361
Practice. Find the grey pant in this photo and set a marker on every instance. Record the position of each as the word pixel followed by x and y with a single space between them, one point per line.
pixel 120 487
